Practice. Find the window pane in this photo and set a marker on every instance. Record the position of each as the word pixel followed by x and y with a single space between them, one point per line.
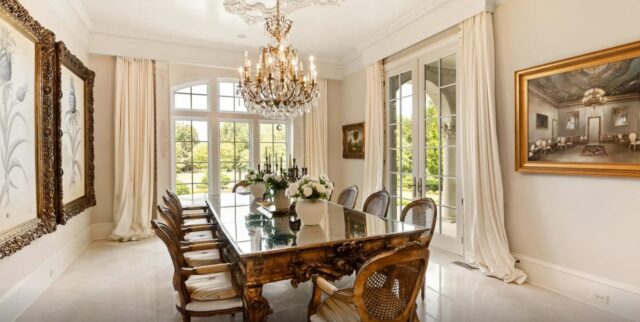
pixel 407 161
pixel 182 101
pixel 448 70
pixel 448 125
pixel 226 132
pixel 199 89
pixel 200 131
pixel 406 84
pixel 227 152
pixel 394 184
pixel 448 220
pixel 226 104
pixel 432 162
pixel 407 189
pixel 432 188
pixel 394 87
pixel 226 176
pixel 201 152
pixel 393 141
pixel 449 161
pixel 242 132
pixel 394 159
pixel 449 192
pixel 431 75
pixel 242 152
pixel 280 135
pixel 226 89
pixel 183 189
pixel 280 150
pixel 432 133
pixel 185 90
pixel 199 102
pixel 266 132
pixel 393 112
pixel 182 131
pixel 183 152
pixel 448 99
pixel 241 170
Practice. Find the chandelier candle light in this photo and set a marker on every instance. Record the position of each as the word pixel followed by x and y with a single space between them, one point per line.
pixel 281 89
pixel 594 97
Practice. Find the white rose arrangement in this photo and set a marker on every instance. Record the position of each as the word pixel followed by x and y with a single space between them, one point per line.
pixel 276 181
pixel 254 176
pixel 311 188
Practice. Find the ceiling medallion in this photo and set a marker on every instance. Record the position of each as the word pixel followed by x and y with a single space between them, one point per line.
pixel 280 88
pixel 255 11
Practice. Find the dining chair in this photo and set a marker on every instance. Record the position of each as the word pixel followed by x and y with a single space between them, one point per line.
pixel 632 141
pixel 563 143
pixel 187 219
pixel 347 198
pixel 201 291
pixel 187 233
pixel 422 212
pixel 187 210
pixel 377 204
pixel 385 289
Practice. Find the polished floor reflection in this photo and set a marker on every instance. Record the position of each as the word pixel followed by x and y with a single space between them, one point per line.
pixel 132 282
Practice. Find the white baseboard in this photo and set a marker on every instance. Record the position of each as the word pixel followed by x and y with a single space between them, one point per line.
pixel 608 295
pixel 101 230
pixel 22 294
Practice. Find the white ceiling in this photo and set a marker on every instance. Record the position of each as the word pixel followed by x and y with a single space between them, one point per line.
pixel 333 33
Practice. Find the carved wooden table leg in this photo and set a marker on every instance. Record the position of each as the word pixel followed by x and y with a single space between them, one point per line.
pixel 258 308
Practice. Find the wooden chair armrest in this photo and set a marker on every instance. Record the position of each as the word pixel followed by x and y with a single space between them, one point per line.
pixel 200 247
pixel 196 216
pixel 198 207
pixel 324 285
pixel 344 296
pixel 209 269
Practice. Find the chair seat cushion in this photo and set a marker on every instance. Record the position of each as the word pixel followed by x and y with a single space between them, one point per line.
pixel 201 221
pixel 215 305
pixel 202 258
pixel 333 310
pixel 210 287
pixel 198 236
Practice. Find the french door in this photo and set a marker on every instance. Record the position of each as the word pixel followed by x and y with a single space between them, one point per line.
pixel 423 142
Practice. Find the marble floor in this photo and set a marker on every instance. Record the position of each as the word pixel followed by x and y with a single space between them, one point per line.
pixel 132 282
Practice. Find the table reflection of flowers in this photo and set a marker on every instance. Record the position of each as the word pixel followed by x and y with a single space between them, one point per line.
pixel 276 231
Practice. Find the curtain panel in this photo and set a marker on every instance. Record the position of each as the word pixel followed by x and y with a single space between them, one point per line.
pixel 315 134
pixel 481 176
pixel 134 149
pixel 374 130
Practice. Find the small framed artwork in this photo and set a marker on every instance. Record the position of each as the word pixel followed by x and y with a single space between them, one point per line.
pixel 620 117
pixel 596 98
pixel 75 148
pixel 353 137
pixel 542 121
pixel 27 129
pixel 572 120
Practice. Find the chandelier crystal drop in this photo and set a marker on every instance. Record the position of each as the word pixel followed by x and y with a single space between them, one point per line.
pixel 594 97
pixel 280 88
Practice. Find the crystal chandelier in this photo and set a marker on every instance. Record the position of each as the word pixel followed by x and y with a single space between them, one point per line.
pixel 280 88
pixel 594 97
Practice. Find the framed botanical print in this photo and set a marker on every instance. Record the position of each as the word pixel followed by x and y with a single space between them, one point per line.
pixel 27 129
pixel 353 141
pixel 75 148
pixel 596 98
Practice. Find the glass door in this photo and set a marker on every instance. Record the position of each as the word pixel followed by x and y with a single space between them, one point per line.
pixel 401 133
pixel 439 166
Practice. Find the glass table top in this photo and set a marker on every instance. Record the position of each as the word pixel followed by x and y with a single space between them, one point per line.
pixel 253 229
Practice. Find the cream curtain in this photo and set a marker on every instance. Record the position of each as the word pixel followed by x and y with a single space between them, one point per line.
pixel 315 134
pixel 481 177
pixel 374 130
pixel 134 149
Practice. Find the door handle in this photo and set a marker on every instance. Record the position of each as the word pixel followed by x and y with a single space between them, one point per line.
pixel 420 187
pixel 414 187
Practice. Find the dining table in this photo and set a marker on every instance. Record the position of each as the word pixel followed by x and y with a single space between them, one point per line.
pixel 266 246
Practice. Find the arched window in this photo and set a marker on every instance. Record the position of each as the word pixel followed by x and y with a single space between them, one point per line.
pixel 194 97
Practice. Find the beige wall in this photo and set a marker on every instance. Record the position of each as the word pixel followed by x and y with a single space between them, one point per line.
pixel 583 223
pixel 104 93
pixel 351 109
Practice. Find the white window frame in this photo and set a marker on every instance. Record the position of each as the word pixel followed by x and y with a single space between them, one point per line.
pixel 174 119
pixel 188 85
pixel 218 96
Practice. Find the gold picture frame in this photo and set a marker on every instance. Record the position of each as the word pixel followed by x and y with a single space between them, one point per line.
pixel 527 87
pixel 353 139
pixel 82 148
pixel 38 173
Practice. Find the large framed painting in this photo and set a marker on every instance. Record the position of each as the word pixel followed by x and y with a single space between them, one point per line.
pixel 596 98
pixel 75 113
pixel 27 129
pixel 353 141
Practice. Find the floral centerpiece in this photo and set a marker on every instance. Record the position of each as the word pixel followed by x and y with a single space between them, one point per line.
pixel 278 184
pixel 256 180
pixel 311 194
